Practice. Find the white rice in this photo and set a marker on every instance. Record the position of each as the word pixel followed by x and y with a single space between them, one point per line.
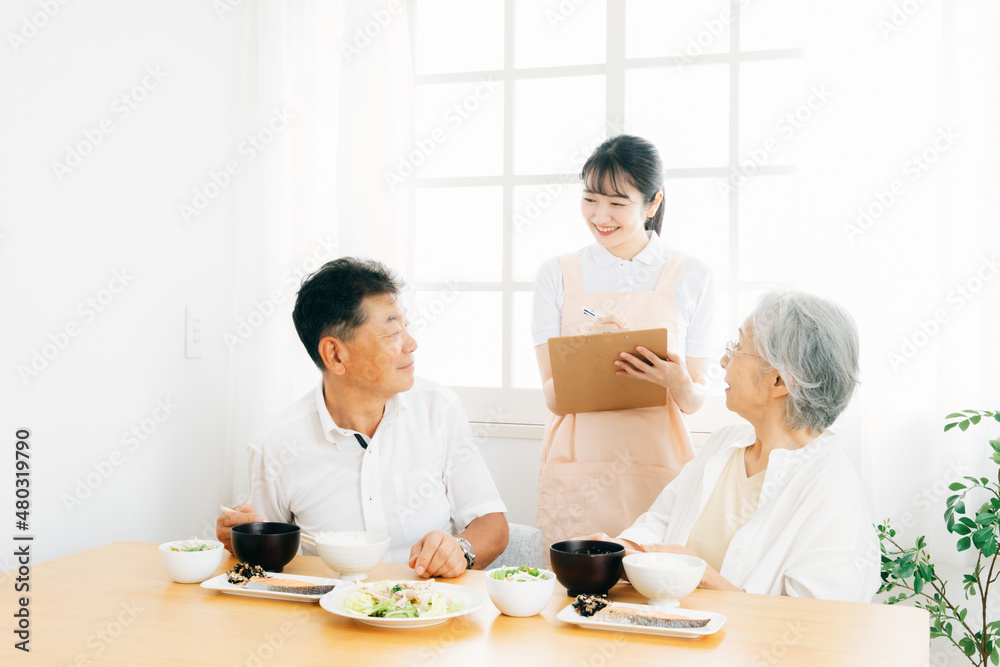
pixel 341 539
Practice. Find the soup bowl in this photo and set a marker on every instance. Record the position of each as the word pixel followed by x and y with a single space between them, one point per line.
pixel 587 566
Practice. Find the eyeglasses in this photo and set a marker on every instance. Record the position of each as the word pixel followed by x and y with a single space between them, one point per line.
pixel 731 350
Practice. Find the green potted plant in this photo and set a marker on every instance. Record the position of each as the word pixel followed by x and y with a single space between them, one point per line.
pixel 911 570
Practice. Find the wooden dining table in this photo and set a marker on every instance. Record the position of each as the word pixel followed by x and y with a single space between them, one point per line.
pixel 115 605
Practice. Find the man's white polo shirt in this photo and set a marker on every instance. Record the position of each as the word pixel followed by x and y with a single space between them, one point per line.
pixel 421 471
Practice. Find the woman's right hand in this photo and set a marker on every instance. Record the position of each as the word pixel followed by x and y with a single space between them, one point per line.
pixel 607 323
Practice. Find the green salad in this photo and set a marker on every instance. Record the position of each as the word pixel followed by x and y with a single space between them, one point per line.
pixel 192 545
pixel 403 599
pixel 523 573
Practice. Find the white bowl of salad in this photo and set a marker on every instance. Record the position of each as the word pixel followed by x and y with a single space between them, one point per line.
pixel 520 591
pixel 191 561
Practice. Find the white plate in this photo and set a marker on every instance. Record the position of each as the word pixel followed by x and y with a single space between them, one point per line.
pixel 221 583
pixel 569 615
pixel 334 603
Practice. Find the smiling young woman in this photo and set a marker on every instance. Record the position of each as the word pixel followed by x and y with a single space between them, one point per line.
pixel 601 470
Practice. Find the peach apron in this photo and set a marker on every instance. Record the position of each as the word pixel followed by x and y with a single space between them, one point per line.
pixel 601 470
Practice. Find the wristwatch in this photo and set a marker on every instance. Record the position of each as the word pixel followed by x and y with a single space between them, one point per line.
pixel 470 554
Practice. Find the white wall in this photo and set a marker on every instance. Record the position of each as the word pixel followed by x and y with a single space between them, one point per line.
pixel 117 212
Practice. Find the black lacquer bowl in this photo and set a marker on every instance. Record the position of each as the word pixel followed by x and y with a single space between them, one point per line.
pixel 587 566
pixel 271 545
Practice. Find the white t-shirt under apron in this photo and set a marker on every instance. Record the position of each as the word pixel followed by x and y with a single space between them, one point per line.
pixel 694 294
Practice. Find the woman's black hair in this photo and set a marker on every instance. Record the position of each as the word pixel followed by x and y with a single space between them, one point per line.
pixel 331 300
pixel 626 160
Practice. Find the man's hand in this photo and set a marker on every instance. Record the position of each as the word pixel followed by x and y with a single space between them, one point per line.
pixel 438 554
pixel 243 514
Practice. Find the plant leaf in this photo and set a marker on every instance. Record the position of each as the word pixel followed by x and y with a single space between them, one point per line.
pixel 990 547
pixel 948 427
pixel 955 415
pixel 979 537
pixel 964 425
pixel 956 486
pixel 963 544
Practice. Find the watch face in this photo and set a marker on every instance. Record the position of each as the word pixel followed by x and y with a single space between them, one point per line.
pixel 470 554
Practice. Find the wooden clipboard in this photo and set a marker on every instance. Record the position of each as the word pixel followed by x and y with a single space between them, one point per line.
pixel 583 371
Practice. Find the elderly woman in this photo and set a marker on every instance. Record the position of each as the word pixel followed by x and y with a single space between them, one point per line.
pixel 774 506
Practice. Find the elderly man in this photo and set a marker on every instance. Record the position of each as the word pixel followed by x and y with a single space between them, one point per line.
pixel 381 450
pixel 773 505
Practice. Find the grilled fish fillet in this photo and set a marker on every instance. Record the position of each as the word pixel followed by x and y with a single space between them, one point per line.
pixel 288 586
pixel 651 618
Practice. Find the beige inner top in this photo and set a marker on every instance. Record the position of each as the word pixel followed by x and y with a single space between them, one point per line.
pixel 732 504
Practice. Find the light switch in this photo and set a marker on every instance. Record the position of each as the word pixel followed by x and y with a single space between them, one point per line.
pixel 193 333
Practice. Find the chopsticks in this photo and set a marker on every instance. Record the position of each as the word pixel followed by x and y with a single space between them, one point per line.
pixel 303 536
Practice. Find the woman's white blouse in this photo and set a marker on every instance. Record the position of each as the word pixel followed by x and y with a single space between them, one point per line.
pixel 694 294
pixel 811 536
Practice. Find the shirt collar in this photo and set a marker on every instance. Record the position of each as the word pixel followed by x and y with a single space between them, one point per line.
pixel 652 255
pixel 802 453
pixel 393 407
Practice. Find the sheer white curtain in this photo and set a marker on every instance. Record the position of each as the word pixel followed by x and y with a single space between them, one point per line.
pixel 899 223
pixel 329 112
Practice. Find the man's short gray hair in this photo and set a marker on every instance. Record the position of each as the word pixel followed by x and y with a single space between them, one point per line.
pixel 813 344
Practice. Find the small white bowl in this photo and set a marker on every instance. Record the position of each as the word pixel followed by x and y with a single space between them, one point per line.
pixel 520 598
pixel 664 578
pixel 351 554
pixel 191 567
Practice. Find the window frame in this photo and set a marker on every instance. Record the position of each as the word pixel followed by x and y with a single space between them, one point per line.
pixel 516 412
